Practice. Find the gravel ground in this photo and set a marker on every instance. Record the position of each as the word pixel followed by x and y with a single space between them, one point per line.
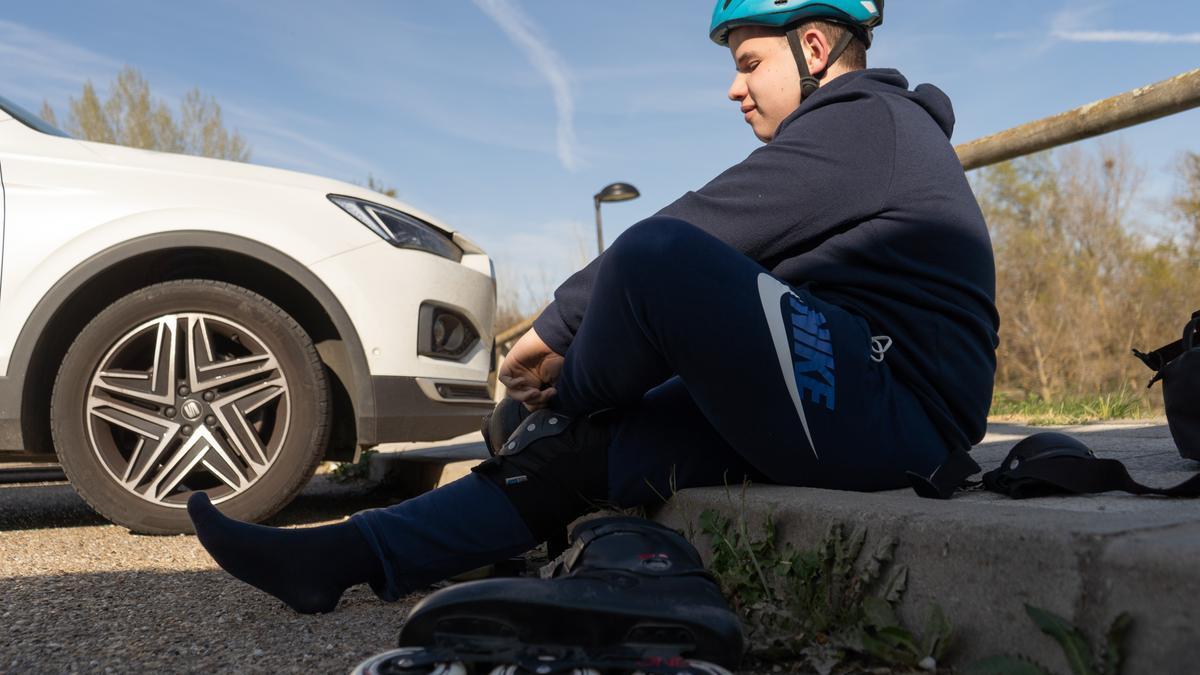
pixel 80 595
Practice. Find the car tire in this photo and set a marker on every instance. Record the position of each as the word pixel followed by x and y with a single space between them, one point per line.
pixel 185 386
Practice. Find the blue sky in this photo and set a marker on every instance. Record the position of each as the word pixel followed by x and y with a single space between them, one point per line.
pixel 504 117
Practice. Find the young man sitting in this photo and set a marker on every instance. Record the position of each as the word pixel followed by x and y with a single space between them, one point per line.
pixel 820 314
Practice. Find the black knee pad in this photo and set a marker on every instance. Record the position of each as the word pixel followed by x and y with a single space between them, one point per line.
pixel 502 422
pixel 554 468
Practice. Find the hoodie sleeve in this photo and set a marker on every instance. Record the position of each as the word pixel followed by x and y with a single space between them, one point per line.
pixel 557 323
pixel 828 169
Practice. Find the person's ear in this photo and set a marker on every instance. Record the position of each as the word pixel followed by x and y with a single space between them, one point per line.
pixel 816 48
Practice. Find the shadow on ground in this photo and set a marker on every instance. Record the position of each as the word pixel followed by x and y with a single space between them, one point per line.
pixel 53 505
pixel 193 621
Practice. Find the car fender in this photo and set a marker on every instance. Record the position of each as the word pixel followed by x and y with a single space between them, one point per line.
pixel 23 293
pixel 87 267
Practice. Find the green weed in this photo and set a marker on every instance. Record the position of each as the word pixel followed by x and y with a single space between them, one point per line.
pixel 346 472
pixel 827 609
pixel 1081 659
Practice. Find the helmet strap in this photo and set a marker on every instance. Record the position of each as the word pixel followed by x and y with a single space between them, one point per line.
pixel 810 82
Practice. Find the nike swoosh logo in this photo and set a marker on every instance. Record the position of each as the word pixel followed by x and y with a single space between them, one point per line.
pixel 770 290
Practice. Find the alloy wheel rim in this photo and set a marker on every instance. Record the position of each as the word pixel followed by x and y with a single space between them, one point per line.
pixel 186 402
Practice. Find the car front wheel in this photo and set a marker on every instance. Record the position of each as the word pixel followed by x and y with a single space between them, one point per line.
pixel 185 386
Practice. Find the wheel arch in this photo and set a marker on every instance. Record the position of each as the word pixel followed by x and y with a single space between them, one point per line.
pixel 98 281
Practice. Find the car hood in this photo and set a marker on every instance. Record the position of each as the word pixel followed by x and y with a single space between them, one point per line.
pixel 219 170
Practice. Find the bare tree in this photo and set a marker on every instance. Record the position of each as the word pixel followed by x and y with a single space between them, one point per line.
pixel 202 131
pixel 47 113
pixel 131 116
pixel 379 186
pixel 1078 282
pixel 87 117
pixel 1186 204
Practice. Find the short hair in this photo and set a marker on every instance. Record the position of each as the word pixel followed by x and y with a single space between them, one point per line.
pixel 855 56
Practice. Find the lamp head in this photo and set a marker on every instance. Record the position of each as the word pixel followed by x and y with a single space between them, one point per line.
pixel 617 192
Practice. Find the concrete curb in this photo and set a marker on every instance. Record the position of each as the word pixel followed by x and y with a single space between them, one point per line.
pixel 419 467
pixel 983 556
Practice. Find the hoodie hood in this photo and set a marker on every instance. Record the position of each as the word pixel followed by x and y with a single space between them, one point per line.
pixel 880 81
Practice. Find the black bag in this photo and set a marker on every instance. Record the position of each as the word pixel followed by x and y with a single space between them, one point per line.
pixel 1178 366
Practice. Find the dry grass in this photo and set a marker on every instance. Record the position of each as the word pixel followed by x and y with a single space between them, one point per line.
pixel 1082 277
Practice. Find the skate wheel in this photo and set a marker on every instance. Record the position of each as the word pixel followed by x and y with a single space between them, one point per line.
pixel 706 668
pixel 691 668
pixel 509 669
pixel 408 661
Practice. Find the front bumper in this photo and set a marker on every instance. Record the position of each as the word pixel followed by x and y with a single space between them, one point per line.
pixel 415 397
pixel 383 288
pixel 426 409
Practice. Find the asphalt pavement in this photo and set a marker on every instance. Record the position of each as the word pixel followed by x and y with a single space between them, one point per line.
pixel 78 594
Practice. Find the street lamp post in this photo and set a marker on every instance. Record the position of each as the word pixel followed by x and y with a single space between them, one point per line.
pixel 616 192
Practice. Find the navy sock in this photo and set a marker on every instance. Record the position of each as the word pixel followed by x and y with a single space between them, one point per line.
pixel 308 568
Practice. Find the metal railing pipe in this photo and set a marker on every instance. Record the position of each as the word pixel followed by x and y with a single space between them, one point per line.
pixel 514 332
pixel 1160 99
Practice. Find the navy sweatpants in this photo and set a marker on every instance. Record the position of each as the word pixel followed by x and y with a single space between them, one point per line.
pixel 719 372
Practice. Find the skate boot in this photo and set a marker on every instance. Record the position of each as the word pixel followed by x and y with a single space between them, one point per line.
pixel 629 595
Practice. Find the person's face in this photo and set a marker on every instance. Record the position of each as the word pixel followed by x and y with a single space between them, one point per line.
pixel 767 84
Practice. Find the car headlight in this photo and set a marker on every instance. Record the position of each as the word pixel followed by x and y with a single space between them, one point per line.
pixel 399 228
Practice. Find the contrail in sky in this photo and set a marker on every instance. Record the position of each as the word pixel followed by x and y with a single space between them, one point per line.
pixel 541 56
pixel 1138 36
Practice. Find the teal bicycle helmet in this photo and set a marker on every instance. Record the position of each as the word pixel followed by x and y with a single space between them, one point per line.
pixel 860 17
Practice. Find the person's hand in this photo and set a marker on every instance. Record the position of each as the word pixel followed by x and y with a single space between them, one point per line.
pixel 530 371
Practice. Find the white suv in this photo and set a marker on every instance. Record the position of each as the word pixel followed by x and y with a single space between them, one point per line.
pixel 171 324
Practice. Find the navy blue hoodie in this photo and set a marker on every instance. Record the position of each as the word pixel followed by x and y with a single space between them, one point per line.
pixel 861 198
